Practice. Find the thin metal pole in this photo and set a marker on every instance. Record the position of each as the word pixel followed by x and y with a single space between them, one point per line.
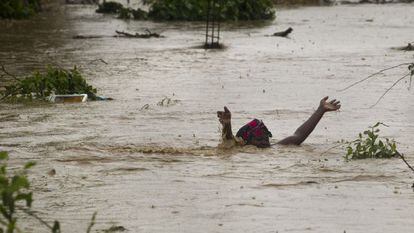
pixel 218 23
pixel 208 20
pixel 214 19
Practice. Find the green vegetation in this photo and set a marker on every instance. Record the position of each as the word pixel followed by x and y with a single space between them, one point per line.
pixel 40 86
pixel 128 13
pixel 18 9
pixel 123 13
pixel 109 7
pixel 194 10
pixel 13 191
pixel 370 145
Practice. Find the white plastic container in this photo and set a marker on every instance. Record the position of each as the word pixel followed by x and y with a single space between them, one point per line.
pixel 74 98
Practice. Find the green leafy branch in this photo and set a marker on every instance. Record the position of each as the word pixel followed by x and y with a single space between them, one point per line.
pixel 370 145
pixel 14 189
pixel 39 85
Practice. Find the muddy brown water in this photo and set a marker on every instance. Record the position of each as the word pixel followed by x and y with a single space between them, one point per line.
pixel 159 169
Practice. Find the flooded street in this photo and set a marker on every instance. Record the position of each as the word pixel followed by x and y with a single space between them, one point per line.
pixel 152 167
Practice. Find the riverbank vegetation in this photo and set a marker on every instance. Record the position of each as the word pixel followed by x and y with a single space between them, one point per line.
pixel 19 9
pixel 41 85
pixel 194 10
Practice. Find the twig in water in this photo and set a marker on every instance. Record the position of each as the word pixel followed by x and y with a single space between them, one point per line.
pixel 374 74
pixel 145 107
pixel 393 85
pixel 99 59
pixel 411 69
pixel 405 161
pixel 91 223
pixel 9 74
pixel 333 147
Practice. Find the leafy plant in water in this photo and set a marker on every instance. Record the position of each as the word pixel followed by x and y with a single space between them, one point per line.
pixel 54 80
pixel 370 145
pixel 13 190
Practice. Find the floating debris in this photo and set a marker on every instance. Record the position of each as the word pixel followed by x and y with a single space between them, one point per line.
pixel 167 102
pixel 147 35
pixel 284 33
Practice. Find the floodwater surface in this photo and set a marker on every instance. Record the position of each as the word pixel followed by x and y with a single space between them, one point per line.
pixel 153 166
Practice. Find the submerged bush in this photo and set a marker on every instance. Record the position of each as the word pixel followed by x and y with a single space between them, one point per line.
pixel 54 81
pixel 139 14
pixel 194 10
pixel 197 9
pixel 109 7
pixel 370 145
pixel 18 9
pixel 128 13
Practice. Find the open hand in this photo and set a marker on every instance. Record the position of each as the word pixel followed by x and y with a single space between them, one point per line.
pixel 224 116
pixel 332 105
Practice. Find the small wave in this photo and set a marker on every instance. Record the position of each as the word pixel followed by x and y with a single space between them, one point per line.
pixel 201 151
pixel 197 151
pixel 275 185
pixel 366 178
pixel 126 169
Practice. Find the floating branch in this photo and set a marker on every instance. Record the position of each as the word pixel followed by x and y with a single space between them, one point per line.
pixel 149 34
pixel 87 36
pixel 409 47
pixel 146 35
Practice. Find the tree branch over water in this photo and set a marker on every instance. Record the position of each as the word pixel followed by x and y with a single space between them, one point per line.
pixel 410 74
pixel 7 73
pixel 374 74
pixel 389 89
pixel 405 161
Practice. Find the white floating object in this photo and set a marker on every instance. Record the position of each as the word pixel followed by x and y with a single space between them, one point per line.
pixel 74 98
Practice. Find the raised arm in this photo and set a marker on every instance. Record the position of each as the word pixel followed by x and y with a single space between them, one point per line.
pixel 225 120
pixel 306 128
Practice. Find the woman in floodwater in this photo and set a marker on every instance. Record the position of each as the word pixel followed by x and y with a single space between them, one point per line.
pixel 255 132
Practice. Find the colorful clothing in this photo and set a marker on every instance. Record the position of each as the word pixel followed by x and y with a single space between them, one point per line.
pixel 255 133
